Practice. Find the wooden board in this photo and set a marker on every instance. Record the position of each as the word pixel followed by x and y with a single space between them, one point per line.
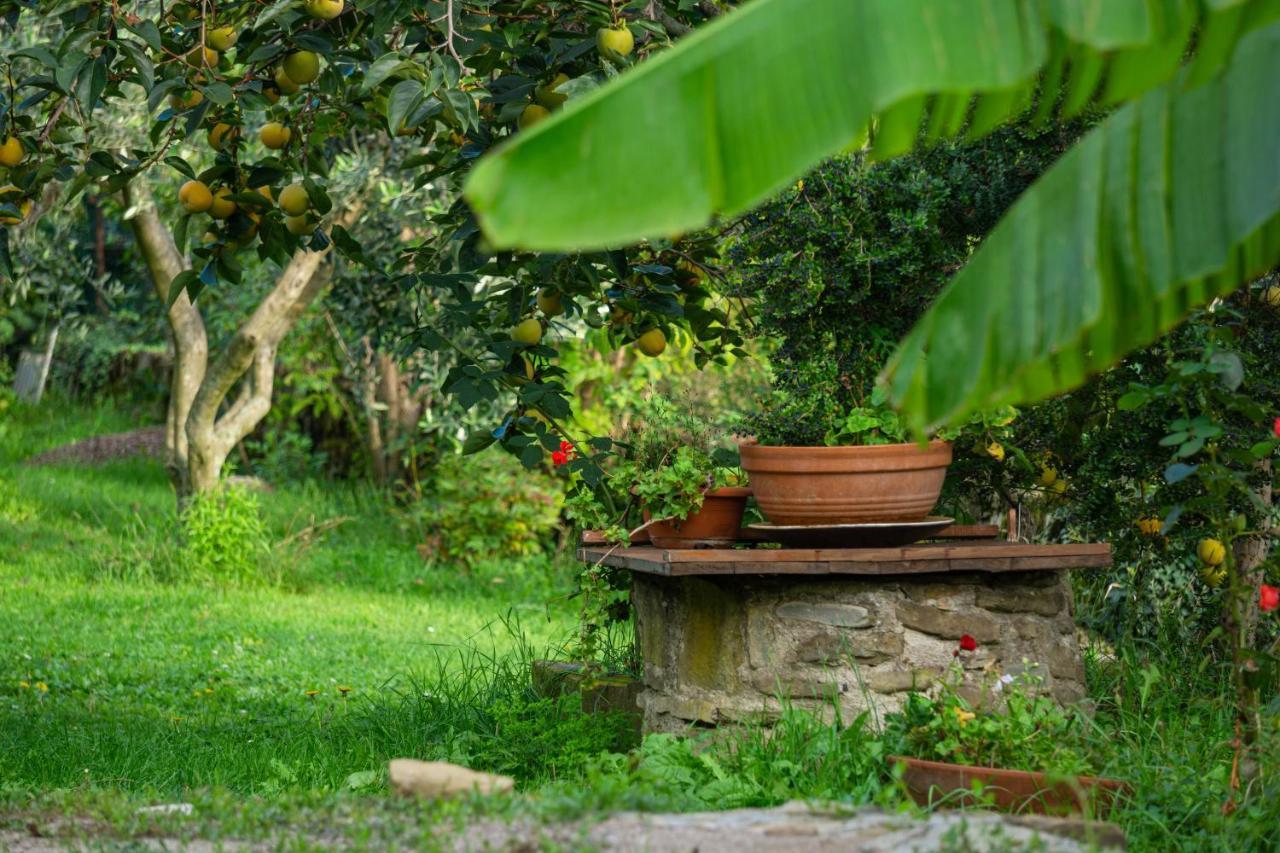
pixel 981 556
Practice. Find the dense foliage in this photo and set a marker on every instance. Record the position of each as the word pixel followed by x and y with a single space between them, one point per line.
pixel 842 265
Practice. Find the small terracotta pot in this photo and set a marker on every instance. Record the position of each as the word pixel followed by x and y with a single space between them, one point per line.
pixel 1011 790
pixel 717 523
pixel 846 485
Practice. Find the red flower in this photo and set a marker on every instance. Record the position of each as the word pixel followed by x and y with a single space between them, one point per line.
pixel 1276 428
pixel 1268 598
pixel 968 644
pixel 566 447
pixel 559 457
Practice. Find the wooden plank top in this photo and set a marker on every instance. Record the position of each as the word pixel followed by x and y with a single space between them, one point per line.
pixel 980 556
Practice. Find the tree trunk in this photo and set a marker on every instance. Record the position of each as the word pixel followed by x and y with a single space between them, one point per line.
pixel 186 327
pixel 199 431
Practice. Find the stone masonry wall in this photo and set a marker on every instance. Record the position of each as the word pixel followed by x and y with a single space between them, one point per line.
pixel 724 648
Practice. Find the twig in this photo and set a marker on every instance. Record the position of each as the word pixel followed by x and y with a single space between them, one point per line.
pixel 450 33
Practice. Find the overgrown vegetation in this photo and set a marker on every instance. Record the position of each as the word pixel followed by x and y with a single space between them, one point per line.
pixel 168 690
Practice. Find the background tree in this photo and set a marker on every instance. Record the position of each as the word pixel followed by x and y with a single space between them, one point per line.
pixel 242 98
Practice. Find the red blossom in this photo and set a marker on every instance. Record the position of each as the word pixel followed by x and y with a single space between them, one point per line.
pixel 968 644
pixel 563 455
pixel 1275 428
pixel 1268 598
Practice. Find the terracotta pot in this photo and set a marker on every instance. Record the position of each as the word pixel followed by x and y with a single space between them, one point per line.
pixel 717 523
pixel 846 485
pixel 1011 790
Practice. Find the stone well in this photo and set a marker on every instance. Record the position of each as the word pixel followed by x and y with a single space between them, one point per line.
pixel 723 647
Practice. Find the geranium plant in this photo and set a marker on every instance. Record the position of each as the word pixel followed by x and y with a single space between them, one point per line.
pixel 665 464
pixel 1022 730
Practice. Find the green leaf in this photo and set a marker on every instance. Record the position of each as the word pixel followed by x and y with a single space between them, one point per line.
pixel 385 66
pixel 1178 472
pixel 1133 400
pixel 750 102
pixel 181 165
pixel 185 280
pixel 404 98
pixel 1172 201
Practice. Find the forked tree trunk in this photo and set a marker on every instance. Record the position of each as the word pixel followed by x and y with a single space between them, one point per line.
pixel 201 428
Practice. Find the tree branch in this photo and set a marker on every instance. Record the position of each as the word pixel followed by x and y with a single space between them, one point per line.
pixel 252 350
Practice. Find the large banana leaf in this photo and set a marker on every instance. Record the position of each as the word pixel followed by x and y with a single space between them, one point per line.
pixel 752 101
pixel 1171 201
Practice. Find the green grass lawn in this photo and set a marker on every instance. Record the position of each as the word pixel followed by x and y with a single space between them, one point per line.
pixel 110 678
pixel 274 706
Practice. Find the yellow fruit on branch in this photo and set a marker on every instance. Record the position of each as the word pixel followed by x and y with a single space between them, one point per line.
pixel 1271 296
pixel 221 38
pixel 222 207
pixel 527 332
pixel 24 210
pixel 548 96
pixel 199 59
pixel 324 10
pixel 996 451
pixel 284 84
pixel 531 115
pixel 301 67
pixel 1048 476
pixel 652 343
pixel 221 135
pixel 1059 486
pixel 299 225
pixel 11 152
pixel 265 192
pixel 549 302
pixel 275 135
pixel 186 100
pixel 1211 552
pixel 294 200
pixel 619 316
pixel 615 41
pixel 194 196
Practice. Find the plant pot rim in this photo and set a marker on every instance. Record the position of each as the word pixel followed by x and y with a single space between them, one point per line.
pixel 729 492
pixel 842 449
pixel 1038 776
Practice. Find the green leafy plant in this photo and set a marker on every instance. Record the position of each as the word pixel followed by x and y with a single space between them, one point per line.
pixel 665 464
pixel 1024 731
pixel 224 537
pixel 475 509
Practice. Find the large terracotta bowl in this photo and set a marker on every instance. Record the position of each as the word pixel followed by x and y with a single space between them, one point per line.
pixel 846 485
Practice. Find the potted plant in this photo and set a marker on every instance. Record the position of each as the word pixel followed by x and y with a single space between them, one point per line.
pixel 675 480
pixel 821 458
pixel 1020 752
pixel 863 474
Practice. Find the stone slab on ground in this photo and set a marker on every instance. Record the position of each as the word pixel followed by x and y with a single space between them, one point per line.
pixel 796 828
pixel 791 828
